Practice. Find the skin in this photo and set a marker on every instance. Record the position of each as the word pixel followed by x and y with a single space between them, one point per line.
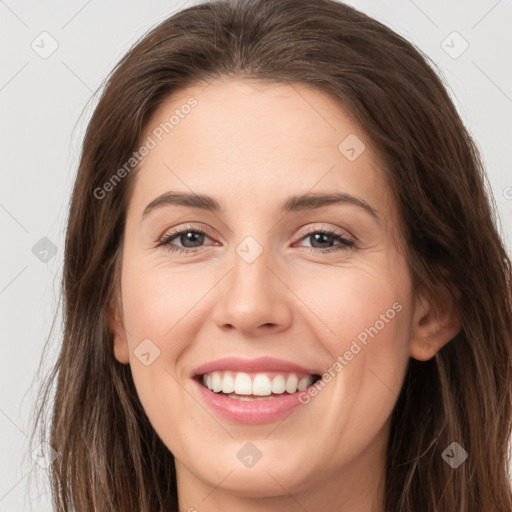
pixel 250 145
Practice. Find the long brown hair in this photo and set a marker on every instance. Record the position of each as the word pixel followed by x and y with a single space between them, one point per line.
pixel 110 458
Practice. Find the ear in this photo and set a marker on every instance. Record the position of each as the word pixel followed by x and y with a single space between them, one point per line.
pixel 435 323
pixel 116 326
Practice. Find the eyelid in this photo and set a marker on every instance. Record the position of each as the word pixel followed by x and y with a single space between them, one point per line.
pixel 314 229
pixel 179 229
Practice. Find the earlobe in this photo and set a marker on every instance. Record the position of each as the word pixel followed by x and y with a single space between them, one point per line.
pixel 120 343
pixel 435 323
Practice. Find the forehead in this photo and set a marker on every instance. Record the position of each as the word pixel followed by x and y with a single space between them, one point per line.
pixel 247 141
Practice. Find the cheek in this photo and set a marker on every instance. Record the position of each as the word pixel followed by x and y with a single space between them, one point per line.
pixel 158 302
pixel 367 303
pixel 159 315
pixel 165 306
pixel 363 323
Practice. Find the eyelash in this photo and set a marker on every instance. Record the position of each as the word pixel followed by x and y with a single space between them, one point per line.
pixel 166 241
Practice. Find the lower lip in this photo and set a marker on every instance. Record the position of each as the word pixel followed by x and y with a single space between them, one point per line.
pixel 257 411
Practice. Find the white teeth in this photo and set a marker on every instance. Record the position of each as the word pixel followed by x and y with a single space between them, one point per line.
pixel 291 383
pixel 278 384
pixel 305 382
pixel 241 383
pixel 217 382
pixel 228 384
pixel 261 385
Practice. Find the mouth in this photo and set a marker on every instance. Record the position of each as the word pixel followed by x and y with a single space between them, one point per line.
pixel 255 386
pixel 253 391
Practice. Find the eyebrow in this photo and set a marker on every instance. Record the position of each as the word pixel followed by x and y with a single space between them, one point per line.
pixel 308 201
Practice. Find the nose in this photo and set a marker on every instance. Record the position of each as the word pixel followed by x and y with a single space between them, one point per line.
pixel 253 298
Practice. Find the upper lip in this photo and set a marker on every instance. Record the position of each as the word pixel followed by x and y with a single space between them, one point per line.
pixel 261 364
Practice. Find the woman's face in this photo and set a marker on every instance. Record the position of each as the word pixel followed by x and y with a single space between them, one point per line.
pixel 264 281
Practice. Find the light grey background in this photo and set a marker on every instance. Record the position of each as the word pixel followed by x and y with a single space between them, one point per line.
pixel 42 99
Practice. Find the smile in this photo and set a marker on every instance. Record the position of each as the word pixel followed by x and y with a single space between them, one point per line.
pixel 256 386
pixel 253 391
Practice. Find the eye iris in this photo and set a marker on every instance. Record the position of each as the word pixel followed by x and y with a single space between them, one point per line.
pixel 191 236
pixel 322 237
